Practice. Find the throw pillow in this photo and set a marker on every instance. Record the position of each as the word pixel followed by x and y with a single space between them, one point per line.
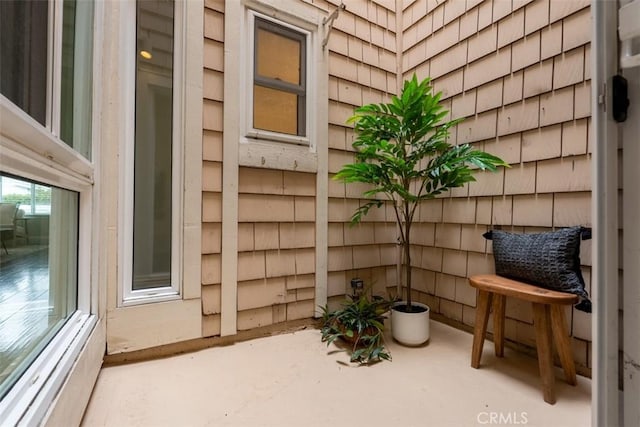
pixel 550 260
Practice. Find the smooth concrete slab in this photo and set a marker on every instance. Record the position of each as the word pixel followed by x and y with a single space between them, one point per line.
pixel 295 380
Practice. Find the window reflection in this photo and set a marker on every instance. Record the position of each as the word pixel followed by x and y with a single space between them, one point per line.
pixel 38 271
pixel 153 145
pixel 23 39
pixel 77 76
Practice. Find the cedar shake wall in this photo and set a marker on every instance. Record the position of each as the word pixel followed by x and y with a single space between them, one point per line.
pixel 362 69
pixel 213 85
pixel 276 209
pixel 276 246
pixel 519 73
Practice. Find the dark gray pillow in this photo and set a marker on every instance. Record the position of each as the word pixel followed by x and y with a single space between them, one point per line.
pixel 550 260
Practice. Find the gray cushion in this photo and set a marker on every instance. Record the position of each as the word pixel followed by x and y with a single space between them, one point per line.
pixel 550 260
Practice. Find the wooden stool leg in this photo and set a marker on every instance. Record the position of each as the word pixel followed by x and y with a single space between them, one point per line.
pixel 498 323
pixel 563 343
pixel 482 317
pixel 542 323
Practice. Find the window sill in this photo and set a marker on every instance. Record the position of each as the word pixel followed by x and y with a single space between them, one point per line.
pixel 277 155
pixel 260 135
pixel 147 297
pixel 31 396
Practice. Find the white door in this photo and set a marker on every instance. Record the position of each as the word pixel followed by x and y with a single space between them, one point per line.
pixel 616 51
pixel 629 33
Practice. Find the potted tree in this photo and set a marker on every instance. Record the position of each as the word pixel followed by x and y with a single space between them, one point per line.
pixel 403 153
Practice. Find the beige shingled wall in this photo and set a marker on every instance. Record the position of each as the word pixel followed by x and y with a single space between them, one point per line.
pixel 518 71
pixel 362 69
pixel 212 165
pixel 276 231
pixel 276 246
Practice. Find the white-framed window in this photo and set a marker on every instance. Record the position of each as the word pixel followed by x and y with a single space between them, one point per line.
pixel 46 140
pixel 153 206
pixel 278 99
pixel 156 142
pixel 281 83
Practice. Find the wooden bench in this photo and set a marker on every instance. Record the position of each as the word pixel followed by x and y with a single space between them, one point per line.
pixel 548 318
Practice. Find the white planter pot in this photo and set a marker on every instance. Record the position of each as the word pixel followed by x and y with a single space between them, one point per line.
pixel 410 328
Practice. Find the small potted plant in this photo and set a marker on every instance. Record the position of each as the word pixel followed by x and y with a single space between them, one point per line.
pixel 403 153
pixel 359 323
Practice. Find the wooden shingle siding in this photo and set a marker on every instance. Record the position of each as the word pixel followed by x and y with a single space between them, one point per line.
pixel 519 73
pixel 213 85
pixel 362 69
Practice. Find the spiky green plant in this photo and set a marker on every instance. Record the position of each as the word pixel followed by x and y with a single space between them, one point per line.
pixel 359 322
pixel 403 153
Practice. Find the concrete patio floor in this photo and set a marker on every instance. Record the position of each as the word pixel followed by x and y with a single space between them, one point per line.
pixel 295 380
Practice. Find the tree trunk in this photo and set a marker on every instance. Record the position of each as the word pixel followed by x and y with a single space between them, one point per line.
pixel 407 260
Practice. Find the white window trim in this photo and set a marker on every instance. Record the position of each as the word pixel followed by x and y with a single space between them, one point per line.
pixel 265 149
pixel 31 151
pixel 173 291
pixel 35 152
pixel 17 159
pixel 30 398
pixel 18 126
pixel 177 318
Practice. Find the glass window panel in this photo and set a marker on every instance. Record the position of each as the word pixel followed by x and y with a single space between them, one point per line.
pixel 41 199
pixel 277 56
pixel 31 198
pixel 275 110
pixel 38 276
pixel 66 85
pixel 23 43
pixel 16 191
pixel 153 145
pixel 77 76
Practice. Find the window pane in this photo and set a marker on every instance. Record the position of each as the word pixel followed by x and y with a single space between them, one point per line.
pixel 77 75
pixel 31 198
pixel 277 56
pixel 153 142
pixel 23 43
pixel 38 275
pixel 275 110
pixel 17 192
pixel 41 199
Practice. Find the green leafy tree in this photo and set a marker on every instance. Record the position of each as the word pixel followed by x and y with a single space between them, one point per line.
pixel 43 195
pixel 23 199
pixel 403 153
